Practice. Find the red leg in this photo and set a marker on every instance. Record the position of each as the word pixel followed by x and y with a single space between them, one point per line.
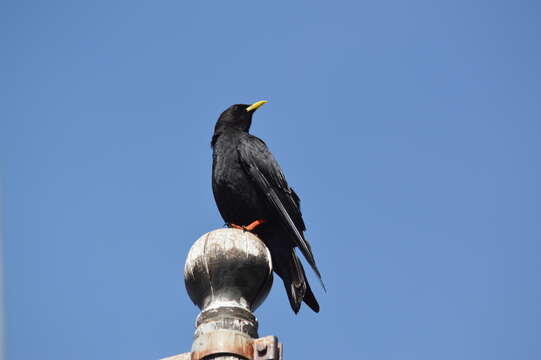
pixel 235 226
pixel 255 224
pixel 250 227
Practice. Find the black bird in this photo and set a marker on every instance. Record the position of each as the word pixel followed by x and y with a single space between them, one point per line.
pixel 252 194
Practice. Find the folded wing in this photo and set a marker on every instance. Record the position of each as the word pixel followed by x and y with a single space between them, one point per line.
pixel 265 172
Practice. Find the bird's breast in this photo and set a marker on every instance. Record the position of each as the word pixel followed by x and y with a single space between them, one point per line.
pixel 235 194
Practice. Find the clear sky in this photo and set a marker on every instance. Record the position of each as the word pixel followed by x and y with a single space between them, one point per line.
pixel 410 129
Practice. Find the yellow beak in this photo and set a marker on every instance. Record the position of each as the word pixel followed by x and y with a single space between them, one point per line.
pixel 256 105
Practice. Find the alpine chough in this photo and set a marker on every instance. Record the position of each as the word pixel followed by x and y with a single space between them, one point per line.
pixel 251 193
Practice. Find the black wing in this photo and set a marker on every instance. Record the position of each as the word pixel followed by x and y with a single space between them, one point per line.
pixel 264 170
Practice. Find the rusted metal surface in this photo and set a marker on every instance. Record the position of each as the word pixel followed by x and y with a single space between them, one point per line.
pixel 232 345
pixel 267 348
pixel 222 342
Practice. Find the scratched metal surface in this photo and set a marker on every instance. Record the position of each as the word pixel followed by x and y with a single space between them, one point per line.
pixel 228 267
pixel 228 274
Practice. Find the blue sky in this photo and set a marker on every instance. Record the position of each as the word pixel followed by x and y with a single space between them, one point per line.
pixel 409 129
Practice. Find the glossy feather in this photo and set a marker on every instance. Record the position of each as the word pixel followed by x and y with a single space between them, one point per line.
pixel 248 184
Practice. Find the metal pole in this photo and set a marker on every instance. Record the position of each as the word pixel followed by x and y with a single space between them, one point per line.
pixel 228 274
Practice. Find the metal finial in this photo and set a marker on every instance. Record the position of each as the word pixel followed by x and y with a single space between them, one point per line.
pixel 228 267
pixel 228 274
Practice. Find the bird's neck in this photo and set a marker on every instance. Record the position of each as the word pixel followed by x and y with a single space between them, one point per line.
pixel 229 132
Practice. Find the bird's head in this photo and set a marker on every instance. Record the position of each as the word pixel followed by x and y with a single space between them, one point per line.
pixel 238 116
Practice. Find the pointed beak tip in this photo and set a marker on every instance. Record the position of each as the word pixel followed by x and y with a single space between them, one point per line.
pixel 256 105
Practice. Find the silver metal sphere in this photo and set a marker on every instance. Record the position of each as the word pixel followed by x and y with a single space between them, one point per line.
pixel 228 268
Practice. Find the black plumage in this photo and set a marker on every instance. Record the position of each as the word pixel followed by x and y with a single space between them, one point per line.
pixel 248 185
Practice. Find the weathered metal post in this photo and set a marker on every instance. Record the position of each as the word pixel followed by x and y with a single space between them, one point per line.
pixel 228 274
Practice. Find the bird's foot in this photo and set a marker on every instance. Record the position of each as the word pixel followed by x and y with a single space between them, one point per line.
pixel 255 224
pixel 250 227
pixel 235 226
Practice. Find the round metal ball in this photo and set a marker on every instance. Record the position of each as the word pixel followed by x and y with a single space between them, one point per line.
pixel 228 268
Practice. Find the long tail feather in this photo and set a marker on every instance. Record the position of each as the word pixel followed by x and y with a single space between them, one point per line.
pixel 290 269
